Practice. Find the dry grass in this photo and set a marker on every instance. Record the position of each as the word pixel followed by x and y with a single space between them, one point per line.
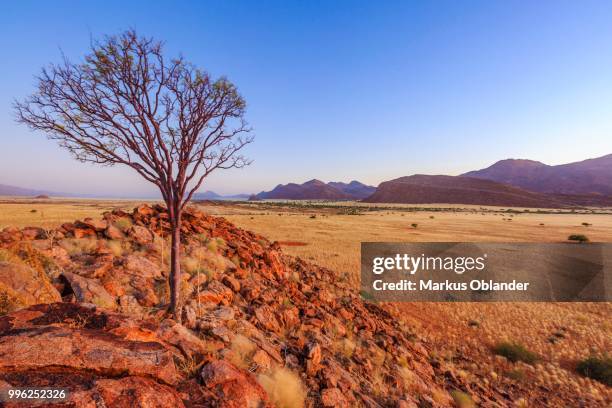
pixel 332 239
pixel 53 212
pixel 284 388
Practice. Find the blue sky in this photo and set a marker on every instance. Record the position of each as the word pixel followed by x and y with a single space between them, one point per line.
pixel 340 90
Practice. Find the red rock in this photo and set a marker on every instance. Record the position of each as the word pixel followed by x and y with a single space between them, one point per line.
pixel 144 210
pixel 89 291
pixel 96 225
pixel 83 232
pixel 113 232
pixel 31 233
pixel 140 234
pixel 232 387
pixel 262 359
pixel 72 337
pixel 231 283
pixel 265 316
pixel 181 337
pixel 333 397
pixel 130 392
pixel 216 293
pixel 142 267
pixel 25 286
pixel 312 353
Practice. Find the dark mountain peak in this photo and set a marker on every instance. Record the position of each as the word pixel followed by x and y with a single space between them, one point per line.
pixel 591 176
pixel 442 189
pixel 314 182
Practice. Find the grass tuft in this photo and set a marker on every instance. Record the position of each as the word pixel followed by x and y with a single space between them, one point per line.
pixel 515 352
pixel 597 368
pixel 284 388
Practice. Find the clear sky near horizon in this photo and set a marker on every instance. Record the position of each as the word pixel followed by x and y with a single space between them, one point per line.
pixel 341 90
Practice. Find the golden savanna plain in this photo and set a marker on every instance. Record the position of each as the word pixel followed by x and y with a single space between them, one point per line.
pixel 462 334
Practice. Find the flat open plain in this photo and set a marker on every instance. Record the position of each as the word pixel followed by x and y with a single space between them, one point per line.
pixel 461 334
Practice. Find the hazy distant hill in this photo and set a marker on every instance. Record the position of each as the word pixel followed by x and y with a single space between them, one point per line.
pixel 211 195
pixel 355 189
pixel 424 189
pixel 19 191
pixel 318 190
pixel 592 176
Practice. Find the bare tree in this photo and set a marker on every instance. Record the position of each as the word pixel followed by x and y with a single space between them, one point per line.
pixel 126 103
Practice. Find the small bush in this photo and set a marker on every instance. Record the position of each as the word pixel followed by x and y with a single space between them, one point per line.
pixel 578 238
pixel 586 224
pixel 115 247
pixel 462 400
pixel 79 246
pixel 414 225
pixel 515 352
pixel 516 375
pixel 597 368
pixel 123 224
pixel 283 387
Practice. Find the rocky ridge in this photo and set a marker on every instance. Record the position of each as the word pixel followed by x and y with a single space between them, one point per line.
pixel 258 328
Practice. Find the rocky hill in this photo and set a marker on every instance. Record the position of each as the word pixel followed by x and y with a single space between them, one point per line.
pixel 592 176
pixel 355 189
pixel 318 190
pixel 84 308
pixel 424 189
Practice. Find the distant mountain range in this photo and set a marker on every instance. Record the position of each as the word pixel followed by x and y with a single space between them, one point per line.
pixel 592 176
pixel 19 191
pixel 318 190
pixel 211 195
pixel 510 182
pixel 521 183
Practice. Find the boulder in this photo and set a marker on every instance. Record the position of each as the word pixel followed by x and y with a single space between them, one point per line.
pixel 140 234
pixel 333 398
pixel 127 392
pixel 142 266
pixel 89 291
pixel 233 387
pixel 182 338
pixel 25 286
pixel 84 233
pixel 31 233
pixel 312 354
pixel 96 225
pixel 78 338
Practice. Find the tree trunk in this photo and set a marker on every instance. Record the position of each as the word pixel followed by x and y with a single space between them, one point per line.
pixel 175 266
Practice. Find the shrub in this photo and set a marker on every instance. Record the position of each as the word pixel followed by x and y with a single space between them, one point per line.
pixel 597 368
pixel 515 352
pixel 283 387
pixel 79 246
pixel 578 237
pixel 515 375
pixel 462 400
pixel 414 225
pixel 123 224
pixel 586 224
pixel 115 247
